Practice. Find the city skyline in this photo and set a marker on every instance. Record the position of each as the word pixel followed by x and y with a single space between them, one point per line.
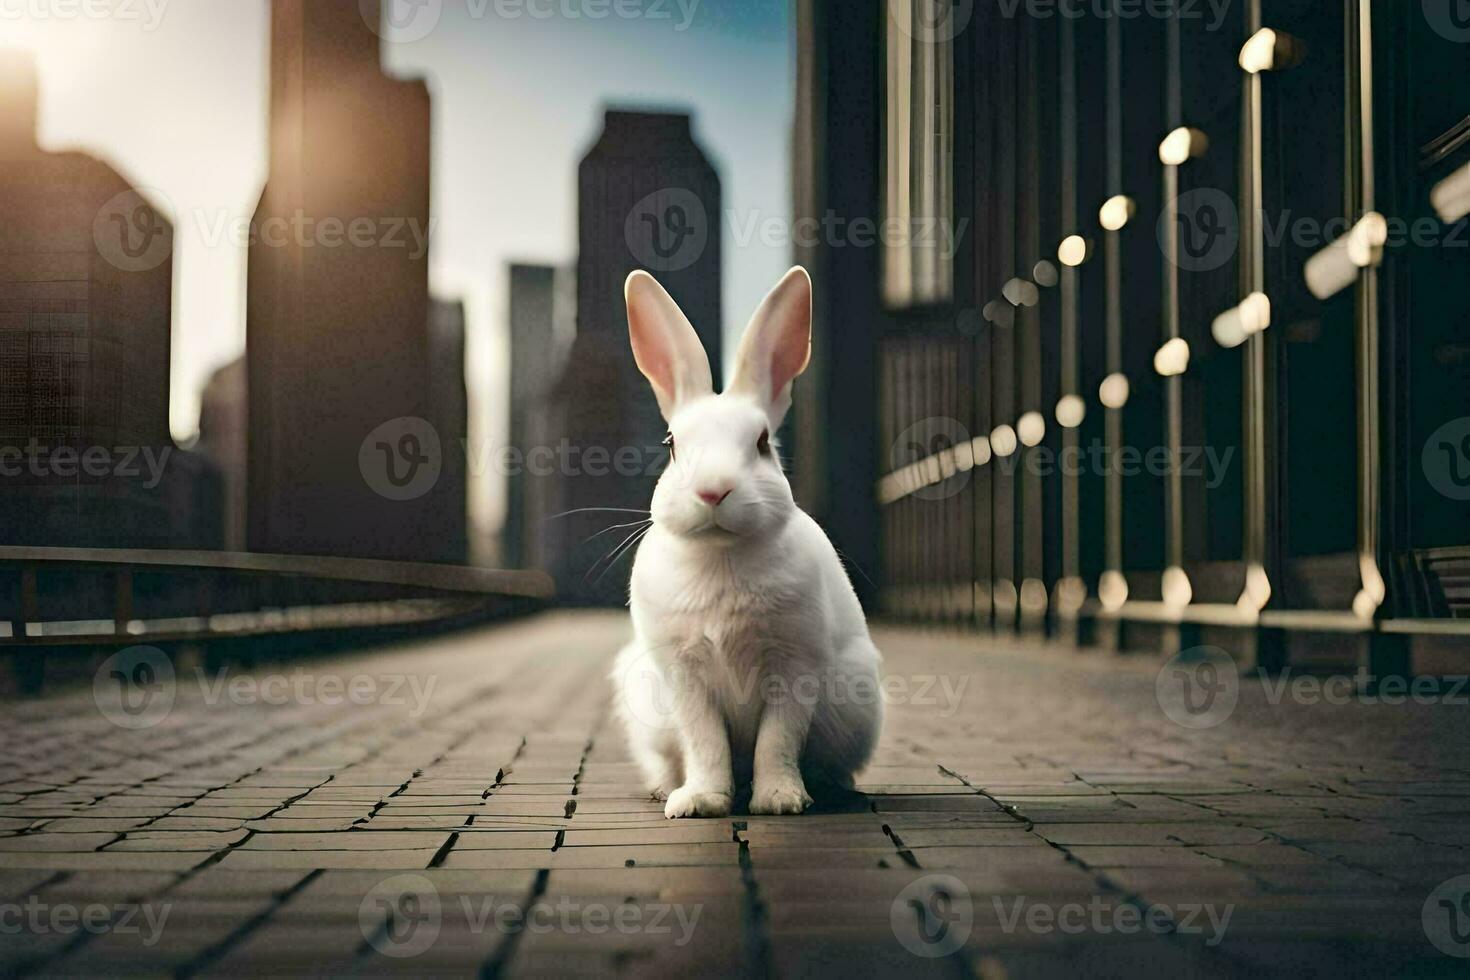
pixel 202 152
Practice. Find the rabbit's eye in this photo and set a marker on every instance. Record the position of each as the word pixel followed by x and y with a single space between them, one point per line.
pixel 669 441
pixel 763 444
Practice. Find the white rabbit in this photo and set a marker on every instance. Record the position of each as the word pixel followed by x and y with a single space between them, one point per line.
pixel 751 662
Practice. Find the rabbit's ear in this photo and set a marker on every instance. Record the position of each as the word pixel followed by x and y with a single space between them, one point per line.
pixel 777 345
pixel 665 346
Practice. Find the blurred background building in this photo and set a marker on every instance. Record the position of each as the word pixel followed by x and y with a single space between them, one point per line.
pixel 338 341
pixel 648 198
pixel 85 298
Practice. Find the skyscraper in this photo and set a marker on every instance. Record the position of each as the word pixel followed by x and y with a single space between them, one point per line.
pixel 343 457
pixel 648 198
pixel 86 283
pixel 537 353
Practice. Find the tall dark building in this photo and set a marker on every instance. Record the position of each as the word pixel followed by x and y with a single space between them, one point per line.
pixel 449 413
pixel 86 284
pixel 222 440
pixel 342 453
pixel 537 352
pixel 647 199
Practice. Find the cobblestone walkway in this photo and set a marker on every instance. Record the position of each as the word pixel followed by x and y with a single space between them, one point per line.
pixel 465 806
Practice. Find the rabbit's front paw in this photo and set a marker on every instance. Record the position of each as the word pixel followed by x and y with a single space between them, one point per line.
pixel 779 798
pixel 686 802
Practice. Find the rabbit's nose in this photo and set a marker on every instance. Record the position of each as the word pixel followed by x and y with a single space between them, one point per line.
pixel 712 497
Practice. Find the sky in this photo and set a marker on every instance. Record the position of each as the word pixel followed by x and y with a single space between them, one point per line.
pixel 173 93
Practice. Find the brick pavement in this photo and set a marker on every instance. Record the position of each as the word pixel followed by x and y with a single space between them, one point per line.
pixel 464 806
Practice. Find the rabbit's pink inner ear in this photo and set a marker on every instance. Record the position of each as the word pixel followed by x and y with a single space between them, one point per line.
pixel 665 346
pixel 778 343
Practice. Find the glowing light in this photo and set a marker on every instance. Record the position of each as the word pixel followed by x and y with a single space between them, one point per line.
pixel 1071 410
pixel 1071 593
pixel 980 449
pixel 1116 212
pixel 1020 292
pixel 1257 590
pixel 1268 50
pixel 1033 597
pixel 1183 144
pixel 1374 590
pixel 1112 590
pixel 1336 267
pixel 1031 428
pixel 1177 591
pixel 1113 392
pixel 1253 315
pixel 1451 196
pixel 1073 251
pixel 1045 274
pixel 1000 313
pixel 1172 359
pixel 1003 440
pixel 1258 54
pixel 964 456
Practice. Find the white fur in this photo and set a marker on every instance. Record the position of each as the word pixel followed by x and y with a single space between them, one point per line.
pixel 751 661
